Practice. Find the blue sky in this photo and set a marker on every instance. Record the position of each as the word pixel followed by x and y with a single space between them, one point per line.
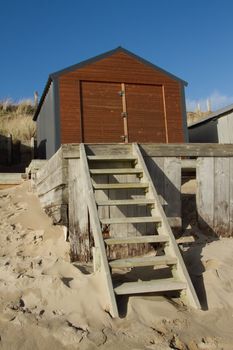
pixel 191 39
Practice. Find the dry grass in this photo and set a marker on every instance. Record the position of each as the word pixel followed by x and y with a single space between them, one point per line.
pixel 195 116
pixel 16 119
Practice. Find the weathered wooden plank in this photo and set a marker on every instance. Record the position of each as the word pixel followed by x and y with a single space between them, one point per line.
pixel 188 164
pixel 231 197
pixel 120 212
pixel 143 261
pixel 221 196
pixel 58 213
pixel 172 187
pixel 55 162
pixel 78 213
pixel 214 195
pixel 155 166
pixel 157 150
pixel 137 239
pixel 111 158
pixel 205 192
pixel 161 285
pixel 122 171
pixel 116 186
pixel 171 249
pixel 223 130
pixel 57 196
pixel 109 148
pixel 138 219
pixel 123 202
pixel 187 150
pixel 55 179
pixel 70 150
pixel 97 233
pixel 103 212
pixel 11 178
pixel 36 164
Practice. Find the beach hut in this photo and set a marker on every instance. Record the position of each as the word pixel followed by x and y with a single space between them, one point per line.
pixel 112 98
pixel 215 128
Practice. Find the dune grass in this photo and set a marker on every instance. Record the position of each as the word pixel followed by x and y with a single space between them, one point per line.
pixel 16 119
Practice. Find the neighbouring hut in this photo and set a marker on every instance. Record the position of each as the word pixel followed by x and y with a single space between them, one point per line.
pixel 215 128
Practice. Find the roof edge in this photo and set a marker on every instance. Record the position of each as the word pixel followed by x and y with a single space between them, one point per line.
pixel 56 74
pixel 216 114
pixel 47 86
pixel 110 53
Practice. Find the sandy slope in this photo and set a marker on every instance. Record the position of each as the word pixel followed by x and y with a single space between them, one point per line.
pixel 48 303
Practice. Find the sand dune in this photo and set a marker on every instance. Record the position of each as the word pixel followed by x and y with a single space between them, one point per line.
pixel 49 303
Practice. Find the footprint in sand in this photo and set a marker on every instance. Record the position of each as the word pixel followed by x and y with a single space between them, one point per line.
pixel 211 264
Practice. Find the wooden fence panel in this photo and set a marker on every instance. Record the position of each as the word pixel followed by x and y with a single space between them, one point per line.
pixel 221 196
pixel 165 173
pixel 215 195
pixel 205 192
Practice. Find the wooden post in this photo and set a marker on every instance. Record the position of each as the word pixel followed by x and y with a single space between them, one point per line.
pixel 9 149
pixel 32 145
pixel 208 104
pixel 78 214
pixel 36 98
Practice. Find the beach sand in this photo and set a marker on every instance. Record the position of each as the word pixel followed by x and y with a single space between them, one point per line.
pixel 49 303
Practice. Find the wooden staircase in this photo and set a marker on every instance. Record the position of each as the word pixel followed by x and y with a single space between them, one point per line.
pixel 169 255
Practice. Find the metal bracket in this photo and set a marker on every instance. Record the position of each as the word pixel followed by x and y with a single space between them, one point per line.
pixel 124 114
pixel 121 93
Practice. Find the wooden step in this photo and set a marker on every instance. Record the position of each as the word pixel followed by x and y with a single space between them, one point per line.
pixel 137 239
pixel 137 201
pixel 113 158
pixel 131 220
pixel 161 285
pixel 118 186
pixel 143 261
pixel 122 171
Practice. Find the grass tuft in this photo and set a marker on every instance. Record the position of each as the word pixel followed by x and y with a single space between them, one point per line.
pixel 16 119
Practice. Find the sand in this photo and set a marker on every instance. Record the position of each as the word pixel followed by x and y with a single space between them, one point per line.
pixel 49 303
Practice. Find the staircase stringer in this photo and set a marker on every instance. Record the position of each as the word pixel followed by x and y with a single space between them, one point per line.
pixel 97 233
pixel 165 229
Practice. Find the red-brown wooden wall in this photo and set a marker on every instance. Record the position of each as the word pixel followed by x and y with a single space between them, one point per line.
pixel 161 107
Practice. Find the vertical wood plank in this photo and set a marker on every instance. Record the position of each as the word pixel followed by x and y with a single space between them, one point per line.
pixel 118 230
pixel 231 197
pixel 205 192
pixel 230 127
pixel 221 196
pixel 9 149
pixel 78 214
pixel 155 167
pixel 172 187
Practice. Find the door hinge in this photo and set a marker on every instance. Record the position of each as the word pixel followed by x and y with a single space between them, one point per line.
pixel 124 114
pixel 121 93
